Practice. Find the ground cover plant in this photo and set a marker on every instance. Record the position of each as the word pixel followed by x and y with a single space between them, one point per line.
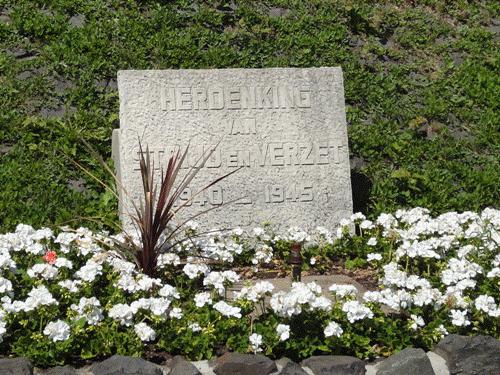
pixel 69 296
pixel 421 88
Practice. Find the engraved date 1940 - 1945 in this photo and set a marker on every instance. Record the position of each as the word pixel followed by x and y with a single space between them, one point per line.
pixel 271 193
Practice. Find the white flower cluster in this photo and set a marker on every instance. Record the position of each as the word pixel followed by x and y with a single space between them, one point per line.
pixel 333 329
pixel 255 342
pixel 89 271
pixel 221 249
pixel 227 310
pixel 57 331
pixel 89 309
pixel 38 296
pixel 283 331
pixel 219 280
pixel 263 254
pixel 168 259
pixel 255 292
pixel 135 283
pixel 301 296
pixel 145 332
pixel 343 290
pixel 356 311
pixel 194 270
pixel 202 299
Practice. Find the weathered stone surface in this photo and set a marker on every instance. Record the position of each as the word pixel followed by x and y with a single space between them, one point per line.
pixel 243 364
pixel 289 367
pixel 62 370
pixel 77 20
pixel 121 365
pixel 475 355
pixel 15 366
pixel 335 364
pixel 409 361
pixel 438 364
pixel 285 128
pixel 179 366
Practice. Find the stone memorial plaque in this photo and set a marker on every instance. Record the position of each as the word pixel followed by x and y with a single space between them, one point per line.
pixel 284 127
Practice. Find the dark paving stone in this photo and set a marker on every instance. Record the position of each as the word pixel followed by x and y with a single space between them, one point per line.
pixel 289 367
pixel 243 364
pixel 62 370
pixel 335 364
pixel 16 366
pixel 121 365
pixel 409 361
pixel 470 355
pixel 180 366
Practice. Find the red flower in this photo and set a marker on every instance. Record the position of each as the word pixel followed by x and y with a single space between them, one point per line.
pixel 50 257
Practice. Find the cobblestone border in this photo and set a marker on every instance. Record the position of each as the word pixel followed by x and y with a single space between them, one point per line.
pixel 454 354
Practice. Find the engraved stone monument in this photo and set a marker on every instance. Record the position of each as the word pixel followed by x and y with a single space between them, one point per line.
pixel 284 127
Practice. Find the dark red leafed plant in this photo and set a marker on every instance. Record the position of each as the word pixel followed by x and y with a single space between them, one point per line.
pixel 154 216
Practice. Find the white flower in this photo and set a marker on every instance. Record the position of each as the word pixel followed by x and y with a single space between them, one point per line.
pixel 459 318
pixel 194 270
pixel 283 331
pixel 89 271
pixel 5 285
pixel 63 262
pixel 168 291
pixel 357 216
pixel 176 313
pixel 220 279
pixel 121 266
pixel 487 304
pixel 133 284
pixel 45 270
pixel 301 296
pixel 312 261
pixel 372 241
pixel 343 290
pixel 57 331
pixel 256 342
pixel 333 329
pixel 495 272
pixel 373 256
pixel 89 309
pixel 122 312
pixel 145 332
pixel 37 297
pixel 417 321
pixel 6 261
pixel 356 311
pixel 227 310
pixel 70 285
pixel 441 330
pixel 263 254
pixel 256 292
pixel 202 299
pixel 366 224
pixel 3 329
pixel 195 327
pixel 159 306
pixel 168 259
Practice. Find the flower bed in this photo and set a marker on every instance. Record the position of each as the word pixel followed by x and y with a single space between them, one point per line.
pixel 69 296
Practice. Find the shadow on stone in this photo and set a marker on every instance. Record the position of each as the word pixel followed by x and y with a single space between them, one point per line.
pixel 361 188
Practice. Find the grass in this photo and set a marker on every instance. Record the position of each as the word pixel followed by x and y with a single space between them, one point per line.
pixel 421 87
